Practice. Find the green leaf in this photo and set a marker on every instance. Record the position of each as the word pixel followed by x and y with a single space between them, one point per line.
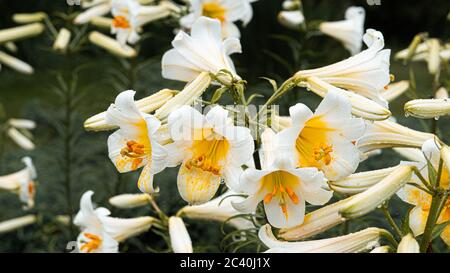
pixel 272 82
pixel 438 229
pixel 253 96
pixel 218 94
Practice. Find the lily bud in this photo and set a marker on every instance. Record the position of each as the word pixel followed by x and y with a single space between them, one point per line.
pixel 361 106
pixel 315 222
pixel 111 45
pixel 187 96
pixel 387 134
pixel 129 227
pixel 21 32
pixel 129 201
pixel 441 93
pixel 26 18
pixel 102 22
pixel 408 245
pixel 21 140
pixel 359 182
pixel 16 223
pixel 179 236
pixel 351 243
pixel 370 199
pixel 11 47
pixel 62 40
pixel 146 105
pixel 428 108
pixel 395 90
pixel 434 59
pixel 16 64
pixel 22 123
pixel 291 19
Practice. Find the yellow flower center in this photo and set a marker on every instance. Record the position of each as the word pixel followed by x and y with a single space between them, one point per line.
pixel 120 22
pixel 214 10
pixel 209 153
pixel 312 144
pixel 280 185
pixel 91 244
pixel 135 151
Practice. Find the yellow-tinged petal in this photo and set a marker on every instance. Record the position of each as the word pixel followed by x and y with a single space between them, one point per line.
pixel 195 185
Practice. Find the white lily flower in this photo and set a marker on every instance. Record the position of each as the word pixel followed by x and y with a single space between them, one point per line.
pixel 94 9
pixel 111 45
pixel 445 154
pixel 62 40
pixel 147 105
pixel 129 201
pixel 210 149
pixel 387 133
pixel 349 31
pixel 22 182
pixel 360 241
pixel 16 64
pixel 226 11
pixel 101 233
pixel 26 18
pixel 420 199
pixel 359 182
pixel 366 73
pixel 291 18
pixel 283 187
pixel 134 145
pixel 16 223
pixel 125 22
pixel 408 245
pixel 428 108
pixel 325 139
pixel 218 209
pixel 202 51
pixel 21 32
pixel 395 90
pixel 179 236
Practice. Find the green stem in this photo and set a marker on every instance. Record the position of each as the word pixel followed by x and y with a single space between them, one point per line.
pixel 433 215
pixel 391 221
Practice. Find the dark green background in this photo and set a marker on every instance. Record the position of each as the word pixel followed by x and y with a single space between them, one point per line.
pixel 264 54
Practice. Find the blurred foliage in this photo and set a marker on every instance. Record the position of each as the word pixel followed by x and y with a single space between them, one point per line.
pixel 64 91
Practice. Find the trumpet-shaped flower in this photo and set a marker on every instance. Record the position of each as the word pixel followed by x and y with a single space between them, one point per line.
pixel 226 11
pixel 218 209
pixel 101 233
pixel 134 145
pixel 209 148
pixel 202 51
pixel 22 182
pixel 125 21
pixel 366 73
pixel 354 242
pixel 422 200
pixel 179 236
pixel 325 139
pixel 349 31
pixel 283 188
